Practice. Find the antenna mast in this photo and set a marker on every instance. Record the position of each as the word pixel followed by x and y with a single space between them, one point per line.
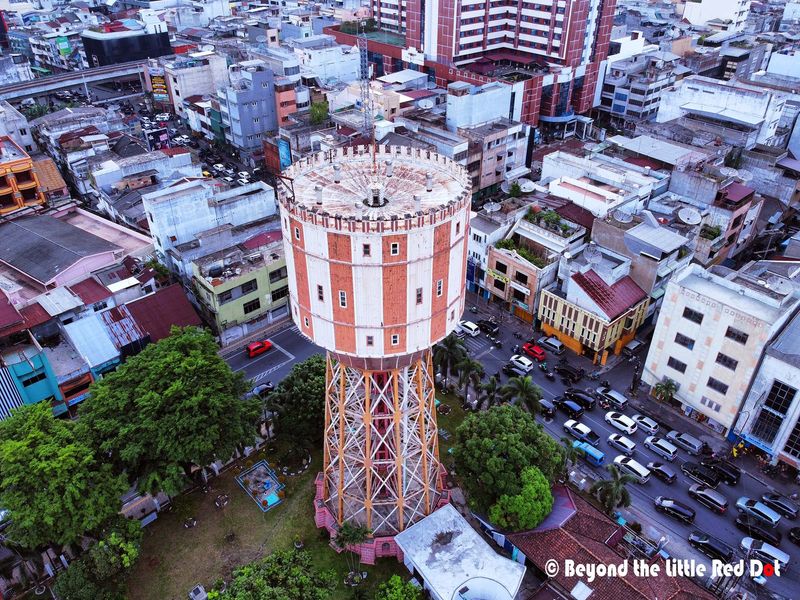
pixel 368 128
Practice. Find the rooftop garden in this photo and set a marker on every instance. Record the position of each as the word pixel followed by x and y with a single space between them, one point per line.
pixel 709 232
pixel 550 219
pixel 530 256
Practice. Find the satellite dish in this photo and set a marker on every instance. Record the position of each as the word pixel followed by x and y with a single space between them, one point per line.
pixel 426 103
pixel 491 207
pixel 728 171
pixel 209 47
pixel 778 284
pixel 592 254
pixel 620 216
pixel 744 175
pixel 690 216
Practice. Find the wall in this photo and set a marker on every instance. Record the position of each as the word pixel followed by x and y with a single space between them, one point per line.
pixel 492 102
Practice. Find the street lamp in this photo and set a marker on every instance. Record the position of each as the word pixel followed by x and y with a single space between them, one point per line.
pixel 636 378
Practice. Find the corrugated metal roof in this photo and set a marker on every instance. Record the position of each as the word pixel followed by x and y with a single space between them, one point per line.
pixel 90 337
pixel 613 300
pixel 121 326
pixel 58 301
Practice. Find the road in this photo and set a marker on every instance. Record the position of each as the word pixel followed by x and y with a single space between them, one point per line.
pixel 292 347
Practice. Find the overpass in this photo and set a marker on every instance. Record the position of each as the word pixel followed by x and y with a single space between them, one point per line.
pixel 62 81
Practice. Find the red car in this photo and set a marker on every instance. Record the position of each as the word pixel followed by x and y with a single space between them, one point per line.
pixel 256 348
pixel 533 351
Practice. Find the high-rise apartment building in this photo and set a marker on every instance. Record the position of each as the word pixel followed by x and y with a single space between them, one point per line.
pixel 549 51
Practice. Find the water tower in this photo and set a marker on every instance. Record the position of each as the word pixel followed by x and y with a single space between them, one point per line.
pixel 376 248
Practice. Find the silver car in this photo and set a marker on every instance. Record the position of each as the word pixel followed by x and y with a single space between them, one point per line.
pixel 621 443
pixel 646 423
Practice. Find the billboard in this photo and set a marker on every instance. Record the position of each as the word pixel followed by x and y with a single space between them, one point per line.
pixel 158 84
pixel 284 153
pixel 157 138
pixel 64 48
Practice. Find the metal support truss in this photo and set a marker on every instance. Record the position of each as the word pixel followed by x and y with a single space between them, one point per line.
pixel 382 465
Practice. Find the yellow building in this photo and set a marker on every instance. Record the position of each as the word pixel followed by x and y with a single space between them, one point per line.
pixel 19 186
pixel 594 317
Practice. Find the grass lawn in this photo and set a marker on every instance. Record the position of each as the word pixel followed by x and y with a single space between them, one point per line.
pixel 174 558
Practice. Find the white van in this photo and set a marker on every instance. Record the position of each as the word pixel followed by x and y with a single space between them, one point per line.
pixel 469 328
pixel 631 467
pixel 552 344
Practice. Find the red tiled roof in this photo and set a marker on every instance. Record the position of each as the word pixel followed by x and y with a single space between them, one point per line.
pixel 90 291
pixel 8 314
pixel 577 214
pixel 612 299
pixel 32 316
pixel 174 151
pixel 262 239
pixel 418 94
pixel 156 313
pixel 71 135
pixel 643 161
pixel 588 537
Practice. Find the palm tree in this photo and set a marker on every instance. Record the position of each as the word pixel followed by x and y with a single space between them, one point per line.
pixel 351 535
pixel 665 389
pixel 470 372
pixel 613 492
pixel 447 354
pixel 571 454
pixel 522 390
pixel 490 393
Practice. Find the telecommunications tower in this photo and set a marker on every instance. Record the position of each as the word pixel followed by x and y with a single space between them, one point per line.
pixel 376 247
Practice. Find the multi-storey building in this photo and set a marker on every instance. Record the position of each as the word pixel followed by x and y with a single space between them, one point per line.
pixel 19 185
pixel 193 74
pixel 711 332
pixel 117 42
pixel 551 50
pixel 15 125
pixel 730 14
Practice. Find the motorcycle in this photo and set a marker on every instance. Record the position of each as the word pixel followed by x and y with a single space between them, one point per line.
pixel 594 375
pixel 605 383
pixel 498 343
pixel 604 404
pixel 543 366
pixel 516 348
pixel 518 335
pixel 550 375
pixel 473 310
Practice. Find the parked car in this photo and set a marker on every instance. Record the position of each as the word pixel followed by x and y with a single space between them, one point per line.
pixel 254 349
pixel 619 421
pixel 711 546
pixel 688 442
pixel 569 373
pixel 708 497
pixel 728 472
pixel 700 474
pixel 662 472
pixel 621 443
pixel 782 504
pixel 645 423
pixel 261 391
pixel 675 509
pixel 585 399
pixel 534 351
pixel 243 174
pixel 488 327
pixel 759 510
pixel 218 167
pixel 631 467
pixel 512 370
pixel 581 432
pixel 765 552
pixel 468 327
pixel 612 396
pixel 548 409
pixel 755 528
pixel 552 344
pixel 568 406
pixel 242 181
pixel 661 447
pixel 523 363
pixel 794 535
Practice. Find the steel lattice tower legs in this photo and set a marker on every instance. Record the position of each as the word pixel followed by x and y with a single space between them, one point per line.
pixel 381 466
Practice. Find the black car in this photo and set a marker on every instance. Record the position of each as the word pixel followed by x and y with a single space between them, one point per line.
pixel 585 399
pixel 662 472
pixel 548 409
pixel 711 546
pixel 488 327
pixel 701 474
pixel 513 370
pixel 675 509
pixel 729 473
pixel 756 529
pixel 782 504
pixel 569 373
pixel 568 406
pixel 794 535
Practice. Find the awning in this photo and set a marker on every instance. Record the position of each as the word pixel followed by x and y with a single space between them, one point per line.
pixel 515 174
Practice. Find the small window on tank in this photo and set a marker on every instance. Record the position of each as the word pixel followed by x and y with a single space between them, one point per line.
pixel 395 339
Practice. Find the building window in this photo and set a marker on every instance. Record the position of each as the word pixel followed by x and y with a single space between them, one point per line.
pixel 715 406
pixel 320 294
pixel 793 443
pixel 370 340
pixel 518 296
pixel 419 295
pixel 500 285
pixel 249 286
pixel 717 385
pixel 684 341
pixel 521 277
pixel 297 233
pixel 674 363
pixel 736 335
pixel 693 315
pixel 395 249
pixel 439 287
pixel 395 339
pixel 342 298
pixel 501 267
pixel 224 297
pixel 252 306
pixel 458 228
pixel 366 249
pixel 726 361
pixel 35 379
pixel 277 275
pixel 305 321
pixel 280 293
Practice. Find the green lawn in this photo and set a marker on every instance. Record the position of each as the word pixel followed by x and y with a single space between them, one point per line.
pixel 175 558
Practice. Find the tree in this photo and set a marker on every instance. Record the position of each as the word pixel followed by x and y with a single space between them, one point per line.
pixel 351 535
pixel 300 400
pixel 523 392
pixel 613 492
pixel 447 354
pixel 665 390
pixel 174 406
pixel 318 112
pixel 492 448
pixel 490 393
pixel 76 583
pixel 397 589
pixel 571 454
pixel 515 189
pixel 470 372
pixel 283 575
pixel 117 552
pixel 54 486
pixel 526 509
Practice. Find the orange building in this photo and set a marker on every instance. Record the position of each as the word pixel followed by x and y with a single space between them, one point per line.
pixel 19 186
